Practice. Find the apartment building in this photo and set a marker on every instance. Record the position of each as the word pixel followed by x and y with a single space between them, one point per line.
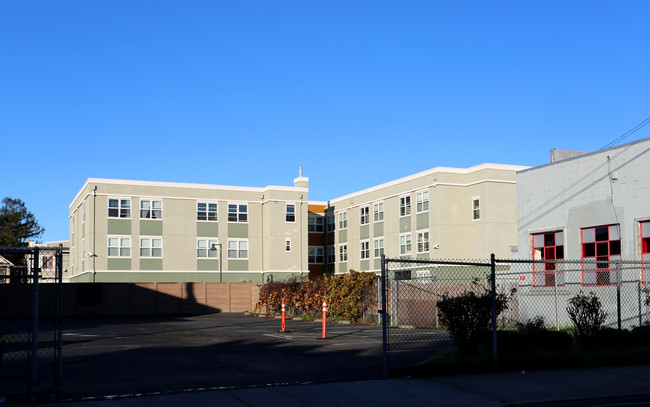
pixel 140 231
pixel 446 213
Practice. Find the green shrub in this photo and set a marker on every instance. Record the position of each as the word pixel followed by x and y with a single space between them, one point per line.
pixel 586 313
pixel 468 318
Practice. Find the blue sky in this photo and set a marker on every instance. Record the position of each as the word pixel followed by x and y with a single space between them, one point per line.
pixel 357 92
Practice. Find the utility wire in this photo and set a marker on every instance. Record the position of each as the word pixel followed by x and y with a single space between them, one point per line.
pixel 628 133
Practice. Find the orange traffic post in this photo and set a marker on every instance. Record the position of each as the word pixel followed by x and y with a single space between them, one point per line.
pixel 283 315
pixel 324 318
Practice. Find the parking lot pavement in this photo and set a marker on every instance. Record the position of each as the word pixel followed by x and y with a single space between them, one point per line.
pixel 126 356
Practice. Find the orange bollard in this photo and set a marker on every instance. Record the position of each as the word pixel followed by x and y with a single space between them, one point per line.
pixel 283 315
pixel 324 318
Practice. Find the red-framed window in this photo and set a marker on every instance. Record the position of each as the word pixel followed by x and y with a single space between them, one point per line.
pixel 602 244
pixel 548 246
pixel 644 231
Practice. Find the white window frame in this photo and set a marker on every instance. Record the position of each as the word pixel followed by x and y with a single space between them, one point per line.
pixel 343 253
pixel 343 220
pixel 120 247
pixel 313 224
pixel 150 248
pixel 238 213
pixel 83 213
pixel 238 249
pixel 119 208
pixel 422 201
pixel 476 209
pixel 205 244
pixel 313 258
pixel 405 244
pixel 364 217
pixel 287 245
pixel 151 209
pixel 404 206
pixel 365 249
pixel 419 240
pixel 288 214
pixel 378 247
pixel 207 211
pixel 378 212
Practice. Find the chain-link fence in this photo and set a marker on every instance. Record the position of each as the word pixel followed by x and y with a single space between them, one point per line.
pixel 415 329
pixel 30 314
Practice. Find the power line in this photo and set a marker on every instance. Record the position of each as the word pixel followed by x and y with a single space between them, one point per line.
pixel 628 133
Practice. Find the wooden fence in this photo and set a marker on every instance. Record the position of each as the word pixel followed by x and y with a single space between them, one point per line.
pixel 124 299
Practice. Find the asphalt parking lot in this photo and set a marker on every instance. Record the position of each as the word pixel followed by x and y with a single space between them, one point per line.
pixel 126 356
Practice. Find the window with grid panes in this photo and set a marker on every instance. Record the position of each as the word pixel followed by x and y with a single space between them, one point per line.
pixel 600 246
pixel 405 244
pixel 404 205
pixel 206 211
pixel 343 253
pixel 238 213
pixel 315 255
pixel 343 220
pixel 422 201
pixel 119 208
pixel 379 247
pixel 548 246
pixel 365 250
pixel 365 215
pixel 423 242
pixel 378 211
pixel 150 209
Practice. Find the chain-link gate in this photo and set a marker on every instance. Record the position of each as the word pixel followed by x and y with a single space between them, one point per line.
pixel 412 289
pixel 30 318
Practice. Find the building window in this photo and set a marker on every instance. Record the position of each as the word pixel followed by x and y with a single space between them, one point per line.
pixel 476 208
pixel 365 215
pixel 290 213
pixel 238 249
pixel 423 242
pixel 331 254
pixel 119 246
pixel 404 205
pixel 378 211
pixel 150 247
pixel 83 212
pixel 331 223
pixel 343 220
pixel 119 208
pixel 207 211
pixel 237 213
pixel 287 245
pixel 645 248
pixel 548 246
pixel 315 255
pixel 315 223
pixel 601 245
pixel 422 201
pixel 379 247
pixel 343 253
pixel 204 248
pixel 150 209
pixel 405 244
pixel 365 250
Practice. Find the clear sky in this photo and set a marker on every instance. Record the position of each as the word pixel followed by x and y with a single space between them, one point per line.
pixel 357 92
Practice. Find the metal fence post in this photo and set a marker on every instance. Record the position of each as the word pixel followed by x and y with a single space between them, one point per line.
pixel 384 328
pixel 494 306
pixel 34 325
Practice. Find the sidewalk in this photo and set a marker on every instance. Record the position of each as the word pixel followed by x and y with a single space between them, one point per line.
pixel 570 387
